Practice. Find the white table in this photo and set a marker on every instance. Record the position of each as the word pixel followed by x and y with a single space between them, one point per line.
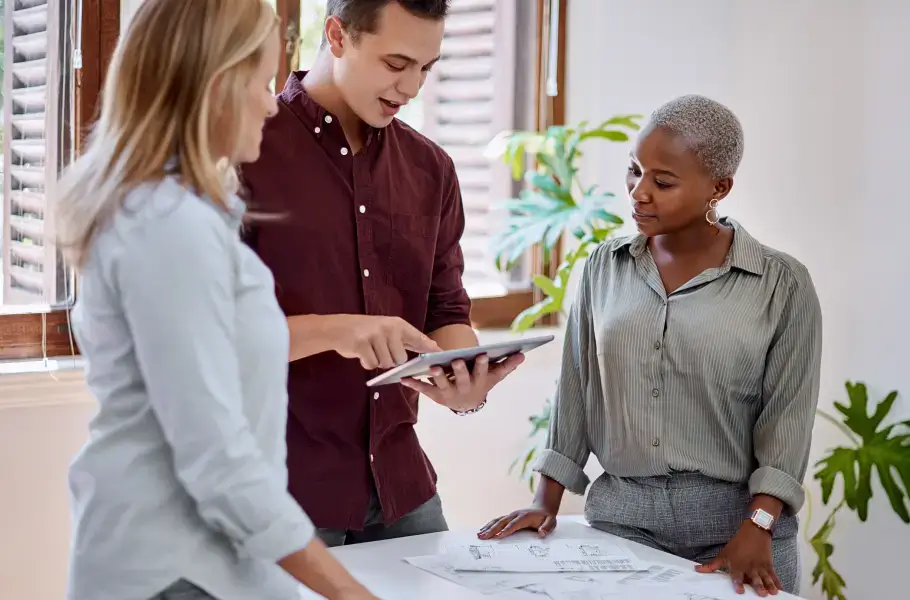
pixel 380 565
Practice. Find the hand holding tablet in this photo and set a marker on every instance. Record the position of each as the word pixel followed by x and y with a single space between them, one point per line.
pixel 461 379
pixel 424 364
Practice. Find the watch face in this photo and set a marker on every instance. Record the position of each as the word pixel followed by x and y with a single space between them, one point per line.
pixel 763 519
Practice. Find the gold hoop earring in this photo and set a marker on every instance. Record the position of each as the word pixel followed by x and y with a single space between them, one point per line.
pixel 711 216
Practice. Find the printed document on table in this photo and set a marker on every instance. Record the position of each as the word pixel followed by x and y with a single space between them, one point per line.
pixel 662 582
pixel 484 583
pixel 544 556
pixel 665 593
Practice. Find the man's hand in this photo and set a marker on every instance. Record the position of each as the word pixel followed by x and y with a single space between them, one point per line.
pixel 529 518
pixel 377 342
pixel 464 390
pixel 748 559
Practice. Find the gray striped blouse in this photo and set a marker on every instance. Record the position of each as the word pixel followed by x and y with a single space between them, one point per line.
pixel 720 377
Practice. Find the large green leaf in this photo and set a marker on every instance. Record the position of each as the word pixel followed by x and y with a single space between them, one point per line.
pixel 549 287
pixel 526 318
pixel 545 183
pixel 833 584
pixel 607 134
pixel 537 218
pixel 880 448
pixel 630 121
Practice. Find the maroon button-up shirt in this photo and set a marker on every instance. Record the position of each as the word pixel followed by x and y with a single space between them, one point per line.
pixel 375 234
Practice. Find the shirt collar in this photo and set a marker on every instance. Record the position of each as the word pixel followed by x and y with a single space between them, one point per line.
pixel 310 112
pixel 745 253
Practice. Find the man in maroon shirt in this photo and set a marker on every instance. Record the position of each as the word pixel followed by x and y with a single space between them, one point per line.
pixel 365 252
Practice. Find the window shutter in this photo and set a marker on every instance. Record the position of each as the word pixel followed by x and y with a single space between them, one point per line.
pixel 31 106
pixel 467 99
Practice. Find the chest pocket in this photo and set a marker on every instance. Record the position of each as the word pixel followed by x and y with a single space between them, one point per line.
pixel 413 251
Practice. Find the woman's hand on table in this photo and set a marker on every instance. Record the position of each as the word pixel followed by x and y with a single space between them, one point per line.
pixel 748 559
pixel 535 518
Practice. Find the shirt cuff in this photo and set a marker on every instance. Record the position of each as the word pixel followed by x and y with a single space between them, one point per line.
pixel 562 470
pixel 777 483
pixel 282 539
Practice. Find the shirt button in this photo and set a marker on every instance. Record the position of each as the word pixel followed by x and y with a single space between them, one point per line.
pixel 328 118
pixel 363 209
pixel 655 442
pixel 371 458
pixel 655 392
pixel 657 345
pixel 375 395
pixel 317 130
pixel 344 151
pixel 366 272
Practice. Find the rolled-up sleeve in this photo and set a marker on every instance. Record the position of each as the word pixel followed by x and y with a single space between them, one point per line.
pixel 567 451
pixel 184 343
pixel 448 302
pixel 783 430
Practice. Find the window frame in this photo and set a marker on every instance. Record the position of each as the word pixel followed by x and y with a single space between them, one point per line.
pixel 46 333
pixel 550 111
pixel 37 334
pixel 499 312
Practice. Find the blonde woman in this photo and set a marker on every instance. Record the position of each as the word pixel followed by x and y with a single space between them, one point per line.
pixel 181 490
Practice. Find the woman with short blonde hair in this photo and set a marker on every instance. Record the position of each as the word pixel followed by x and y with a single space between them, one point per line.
pixel 181 490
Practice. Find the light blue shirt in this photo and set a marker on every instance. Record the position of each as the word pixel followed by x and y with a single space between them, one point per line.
pixel 186 352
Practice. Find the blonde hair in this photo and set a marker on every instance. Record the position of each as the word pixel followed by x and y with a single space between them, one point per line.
pixel 159 103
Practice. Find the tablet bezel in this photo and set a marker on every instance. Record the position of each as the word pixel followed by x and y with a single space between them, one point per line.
pixel 420 365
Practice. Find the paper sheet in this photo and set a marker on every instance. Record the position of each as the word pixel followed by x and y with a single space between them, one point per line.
pixel 663 582
pixel 558 556
pixel 660 594
pixel 485 583
pixel 661 574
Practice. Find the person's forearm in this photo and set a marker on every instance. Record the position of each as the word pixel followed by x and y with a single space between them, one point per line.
pixel 310 334
pixel 548 495
pixel 453 337
pixel 316 568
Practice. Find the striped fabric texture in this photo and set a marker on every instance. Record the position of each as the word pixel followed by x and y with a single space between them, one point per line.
pixel 721 377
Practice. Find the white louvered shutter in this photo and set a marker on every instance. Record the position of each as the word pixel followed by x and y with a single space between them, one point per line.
pixel 467 99
pixel 31 126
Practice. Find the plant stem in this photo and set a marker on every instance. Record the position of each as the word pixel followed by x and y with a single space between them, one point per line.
pixel 806 535
pixel 839 424
pixel 834 510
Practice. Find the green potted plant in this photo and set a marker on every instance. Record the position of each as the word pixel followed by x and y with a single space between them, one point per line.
pixel 554 204
pixel 872 444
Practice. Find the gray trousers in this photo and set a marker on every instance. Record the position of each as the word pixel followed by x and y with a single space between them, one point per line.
pixel 426 518
pixel 687 514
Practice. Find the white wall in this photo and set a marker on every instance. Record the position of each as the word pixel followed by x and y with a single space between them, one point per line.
pixel 821 88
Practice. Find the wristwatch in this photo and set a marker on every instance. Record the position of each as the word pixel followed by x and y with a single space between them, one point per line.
pixel 470 411
pixel 762 519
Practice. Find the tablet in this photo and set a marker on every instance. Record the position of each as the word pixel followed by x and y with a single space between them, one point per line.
pixel 420 366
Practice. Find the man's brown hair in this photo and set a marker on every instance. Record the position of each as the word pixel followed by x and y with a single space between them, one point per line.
pixel 361 16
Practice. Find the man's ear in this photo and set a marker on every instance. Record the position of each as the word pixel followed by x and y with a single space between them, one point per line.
pixel 335 36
